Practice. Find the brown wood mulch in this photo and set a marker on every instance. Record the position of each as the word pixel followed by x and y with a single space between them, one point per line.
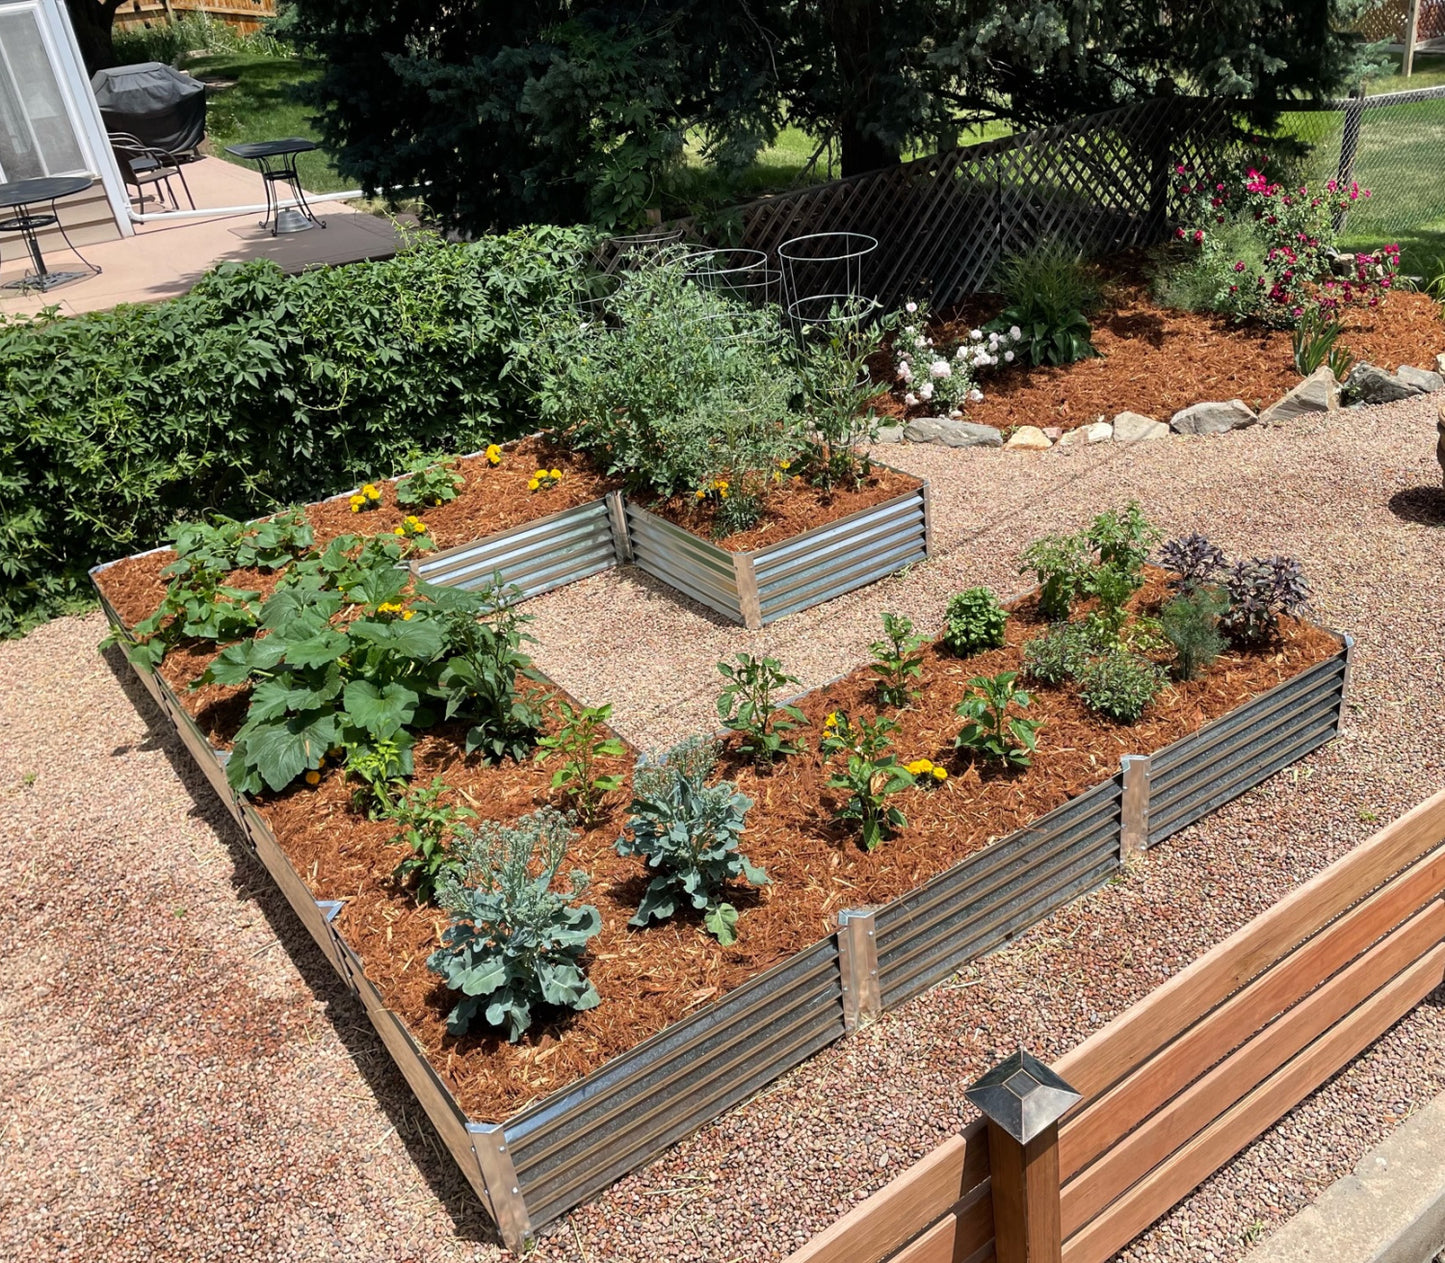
pixel 650 978
pixel 1157 360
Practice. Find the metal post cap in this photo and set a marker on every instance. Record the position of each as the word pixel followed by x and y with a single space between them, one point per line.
pixel 1023 1096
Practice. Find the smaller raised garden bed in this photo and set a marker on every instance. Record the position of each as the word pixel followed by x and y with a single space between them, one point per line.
pixel 760 585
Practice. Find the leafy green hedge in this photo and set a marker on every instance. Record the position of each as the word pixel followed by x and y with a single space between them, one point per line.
pixel 255 390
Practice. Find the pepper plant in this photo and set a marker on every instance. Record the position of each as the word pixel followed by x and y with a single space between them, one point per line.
pixel 582 739
pixel 747 707
pixel 871 776
pixel 988 731
pixel 425 824
pixel 897 660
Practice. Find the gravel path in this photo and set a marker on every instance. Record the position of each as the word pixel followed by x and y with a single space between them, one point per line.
pixel 184 1079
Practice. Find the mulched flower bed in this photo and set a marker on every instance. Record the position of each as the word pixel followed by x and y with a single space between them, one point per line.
pixel 1157 360
pixel 789 509
pixel 650 978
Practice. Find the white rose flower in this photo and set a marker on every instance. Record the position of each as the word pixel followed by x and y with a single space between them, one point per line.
pixel 910 308
pixel 1009 356
pixel 977 335
pixel 905 372
pixel 925 391
pixel 975 395
pixel 1015 332
pixel 910 399
pixel 939 369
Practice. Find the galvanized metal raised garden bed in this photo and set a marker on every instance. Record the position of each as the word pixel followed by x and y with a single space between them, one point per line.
pixel 555 1154
pixel 755 588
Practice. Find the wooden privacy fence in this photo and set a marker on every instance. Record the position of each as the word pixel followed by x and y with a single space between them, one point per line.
pixel 1183 1081
pixel 246 15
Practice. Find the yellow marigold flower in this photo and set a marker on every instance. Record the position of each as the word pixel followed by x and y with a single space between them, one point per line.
pixel 356 503
pixel 831 721
pixel 533 484
pixel 370 492
pixel 785 464
pixel 919 767
pixel 939 774
pixel 701 495
pixel 335 752
pixel 494 454
pixel 406 618
pixel 723 494
pixel 541 473
pixel 557 475
pixel 400 530
pixel 313 778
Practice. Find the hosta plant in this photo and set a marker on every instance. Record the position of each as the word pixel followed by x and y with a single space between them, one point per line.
pixel 425 823
pixel 989 730
pixel 897 661
pixel 871 774
pixel 975 621
pixel 514 943
pixel 748 706
pixel 583 740
pixel 688 832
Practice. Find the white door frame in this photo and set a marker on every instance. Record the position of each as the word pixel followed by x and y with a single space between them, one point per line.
pixel 58 37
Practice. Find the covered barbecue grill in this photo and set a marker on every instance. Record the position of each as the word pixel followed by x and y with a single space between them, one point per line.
pixel 159 106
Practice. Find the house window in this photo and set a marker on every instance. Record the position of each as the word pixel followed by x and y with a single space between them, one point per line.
pixel 37 134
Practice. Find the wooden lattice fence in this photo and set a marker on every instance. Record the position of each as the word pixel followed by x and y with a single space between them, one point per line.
pixel 943 222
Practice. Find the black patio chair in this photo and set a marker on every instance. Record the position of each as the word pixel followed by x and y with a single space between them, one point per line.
pixel 143 165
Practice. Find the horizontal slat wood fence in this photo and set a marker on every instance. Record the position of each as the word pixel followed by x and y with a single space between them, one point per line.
pixel 248 15
pixel 1182 1082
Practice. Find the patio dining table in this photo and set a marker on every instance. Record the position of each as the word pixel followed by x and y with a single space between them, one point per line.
pixel 21 196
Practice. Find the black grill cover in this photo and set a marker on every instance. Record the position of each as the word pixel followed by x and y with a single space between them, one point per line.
pixel 158 105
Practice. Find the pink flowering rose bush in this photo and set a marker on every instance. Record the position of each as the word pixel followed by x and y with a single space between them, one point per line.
pixel 1261 249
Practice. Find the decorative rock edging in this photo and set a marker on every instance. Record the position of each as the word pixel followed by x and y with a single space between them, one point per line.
pixel 1317 394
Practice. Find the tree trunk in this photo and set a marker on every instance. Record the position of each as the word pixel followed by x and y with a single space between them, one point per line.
pixel 94 21
pixel 856 30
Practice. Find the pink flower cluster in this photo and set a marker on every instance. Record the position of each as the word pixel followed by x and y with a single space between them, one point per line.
pixel 1292 233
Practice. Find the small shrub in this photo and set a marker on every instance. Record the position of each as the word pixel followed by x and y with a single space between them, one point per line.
pixel 1259 591
pixel 1194 561
pixel 897 661
pixel 946 376
pixel 975 622
pixel 689 832
pixel 747 706
pixel 582 740
pixel 1119 685
pixel 1063 650
pixel 425 824
pixel 1048 292
pixel 514 943
pixel 1191 625
pixel 872 774
pixel 1061 564
pixel 988 731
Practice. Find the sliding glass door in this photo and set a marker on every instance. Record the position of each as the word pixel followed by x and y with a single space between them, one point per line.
pixel 38 134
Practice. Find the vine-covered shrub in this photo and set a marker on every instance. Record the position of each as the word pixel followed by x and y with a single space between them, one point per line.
pixel 258 389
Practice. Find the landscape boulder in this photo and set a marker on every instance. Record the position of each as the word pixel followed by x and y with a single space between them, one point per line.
pixel 1213 418
pixel 1440 444
pixel 1135 427
pixel 1319 392
pixel 951 433
pixel 1368 384
pixel 1421 378
pixel 1030 438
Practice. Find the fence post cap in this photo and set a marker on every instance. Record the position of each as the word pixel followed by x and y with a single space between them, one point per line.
pixel 1022 1096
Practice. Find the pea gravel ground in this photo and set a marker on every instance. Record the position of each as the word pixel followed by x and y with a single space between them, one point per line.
pixel 181 1077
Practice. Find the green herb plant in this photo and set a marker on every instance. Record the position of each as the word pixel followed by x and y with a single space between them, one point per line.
pixel 974 622
pixel 897 661
pixel 989 731
pixel 582 740
pixel 425 823
pixel 381 768
pixel 1119 685
pixel 689 832
pixel 514 943
pixel 748 706
pixel 871 775
pixel 1061 566
pixel 1191 625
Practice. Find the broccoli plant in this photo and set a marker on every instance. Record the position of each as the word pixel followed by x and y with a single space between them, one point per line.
pixel 514 942
pixel 689 833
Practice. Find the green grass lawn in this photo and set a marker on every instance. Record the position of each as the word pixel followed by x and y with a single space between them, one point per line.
pixel 1429 72
pixel 260 107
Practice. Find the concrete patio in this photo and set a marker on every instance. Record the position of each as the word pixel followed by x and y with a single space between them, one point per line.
pixel 163 260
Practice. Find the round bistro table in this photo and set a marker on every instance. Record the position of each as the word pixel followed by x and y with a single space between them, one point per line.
pixel 20 196
pixel 277 160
